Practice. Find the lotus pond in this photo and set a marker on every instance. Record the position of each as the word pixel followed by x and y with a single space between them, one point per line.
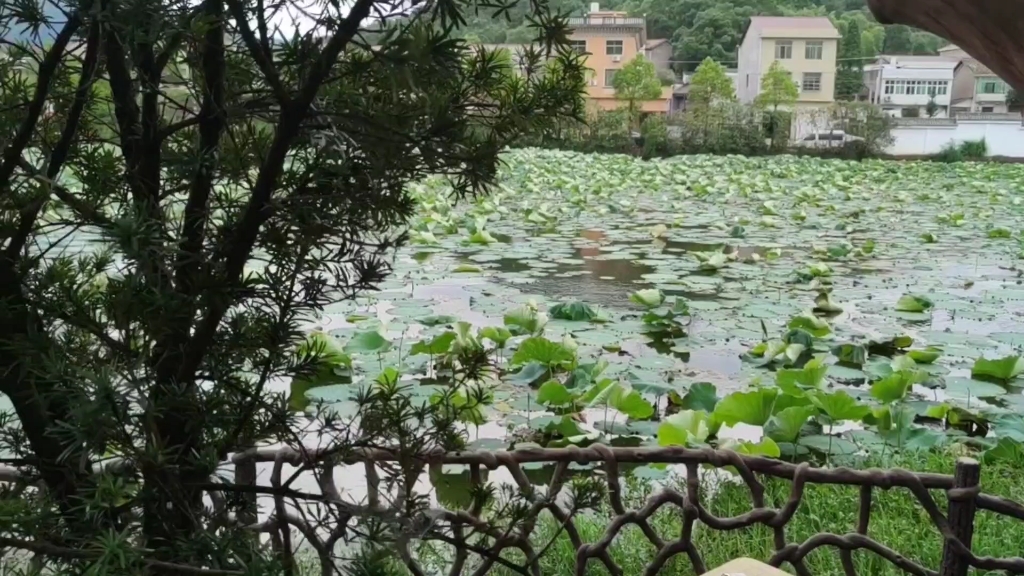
pixel 792 307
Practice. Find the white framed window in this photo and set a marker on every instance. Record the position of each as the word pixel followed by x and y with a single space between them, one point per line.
pixel 993 87
pixel 609 77
pixel 811 82
pixel 578 45
pixel 814 50
pixel 613 47
pixel 783 49
pixel 916 87
pixel 937 87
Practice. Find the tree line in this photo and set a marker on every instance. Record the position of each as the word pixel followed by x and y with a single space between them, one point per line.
pixel 699 29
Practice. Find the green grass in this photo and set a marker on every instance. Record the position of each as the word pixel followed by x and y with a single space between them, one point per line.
pixel 897 521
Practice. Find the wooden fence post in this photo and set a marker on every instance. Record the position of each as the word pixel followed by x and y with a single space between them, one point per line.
pixel 961 517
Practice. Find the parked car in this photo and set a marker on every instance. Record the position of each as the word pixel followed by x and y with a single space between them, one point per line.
pixel 829 139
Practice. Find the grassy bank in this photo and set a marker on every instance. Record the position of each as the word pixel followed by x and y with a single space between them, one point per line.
pixel 897 521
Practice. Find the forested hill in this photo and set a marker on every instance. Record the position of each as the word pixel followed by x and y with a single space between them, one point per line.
pixel 701 28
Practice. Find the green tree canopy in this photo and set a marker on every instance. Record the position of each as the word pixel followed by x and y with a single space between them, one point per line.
pixel 850 67
pixel 699 29
pixel 898 40
pixel 710 84
pixel 777 88
pixel 168 238
pixel 637 82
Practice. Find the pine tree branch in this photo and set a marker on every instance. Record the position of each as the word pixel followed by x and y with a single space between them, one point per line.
pixel 239 245
pixel 85 211
pixel 136 136
pixel 60 152
pixel 126 109
pixel 212 123
pixel 44 77
pixel 260 52
pixel 149 164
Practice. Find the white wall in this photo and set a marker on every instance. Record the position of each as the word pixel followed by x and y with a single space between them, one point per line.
pixel 1004 138
pixel 748 68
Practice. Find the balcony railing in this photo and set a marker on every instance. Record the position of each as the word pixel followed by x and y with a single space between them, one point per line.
pixel 605 21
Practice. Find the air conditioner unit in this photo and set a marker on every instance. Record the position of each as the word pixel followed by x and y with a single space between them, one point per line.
pixel 616 58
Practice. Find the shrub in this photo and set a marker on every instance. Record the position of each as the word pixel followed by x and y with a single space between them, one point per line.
pixel 723 128
pixel 654 135
pixel 974 149
pixel 776 126
pixel 966 150
pixel 853 150
pixel 950 153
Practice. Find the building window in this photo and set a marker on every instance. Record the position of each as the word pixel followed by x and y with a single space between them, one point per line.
pixel 938 87
pixel 812 82
pixel 783 50
pixel 578 45
pixel 613 47
pixel 916 87
pixel 609 77
pixel 814 50
pixel 992 87
pixel 748 80
pixel 986 109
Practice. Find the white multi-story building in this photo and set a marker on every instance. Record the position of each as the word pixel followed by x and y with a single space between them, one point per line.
pixel 904 85
pixel 805 46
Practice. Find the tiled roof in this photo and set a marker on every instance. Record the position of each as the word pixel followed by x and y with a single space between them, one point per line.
pixel 767 23
pixel 978 68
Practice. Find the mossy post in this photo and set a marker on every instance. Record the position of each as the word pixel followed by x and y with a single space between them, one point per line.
pixel 962 506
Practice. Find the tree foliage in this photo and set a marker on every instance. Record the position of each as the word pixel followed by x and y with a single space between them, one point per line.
pixel 186 185
pixel 860 119
pixel 898 40
pixel 1014 102
pixel 637 82
pixel 850 67
pixel 710 84
pixel 699 29
pixel 777 88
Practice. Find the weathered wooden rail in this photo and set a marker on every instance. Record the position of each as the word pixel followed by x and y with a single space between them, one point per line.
pixel 450 526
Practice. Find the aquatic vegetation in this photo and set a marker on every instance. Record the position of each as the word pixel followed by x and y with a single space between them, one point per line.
pixel 789 307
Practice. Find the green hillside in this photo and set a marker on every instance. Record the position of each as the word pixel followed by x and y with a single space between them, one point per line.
pixel 702 28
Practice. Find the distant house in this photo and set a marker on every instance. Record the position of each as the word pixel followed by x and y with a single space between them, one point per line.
pixel 681 92
pixel 806 46
pixel 611 39
pixel 904 85
pixel 976 88
pixel 659 51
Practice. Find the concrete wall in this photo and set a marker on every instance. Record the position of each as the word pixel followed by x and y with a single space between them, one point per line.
pixel 1004 134
pixel 748 73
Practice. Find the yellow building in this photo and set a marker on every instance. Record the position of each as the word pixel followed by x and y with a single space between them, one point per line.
pixel 610 40
pixel 806 46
